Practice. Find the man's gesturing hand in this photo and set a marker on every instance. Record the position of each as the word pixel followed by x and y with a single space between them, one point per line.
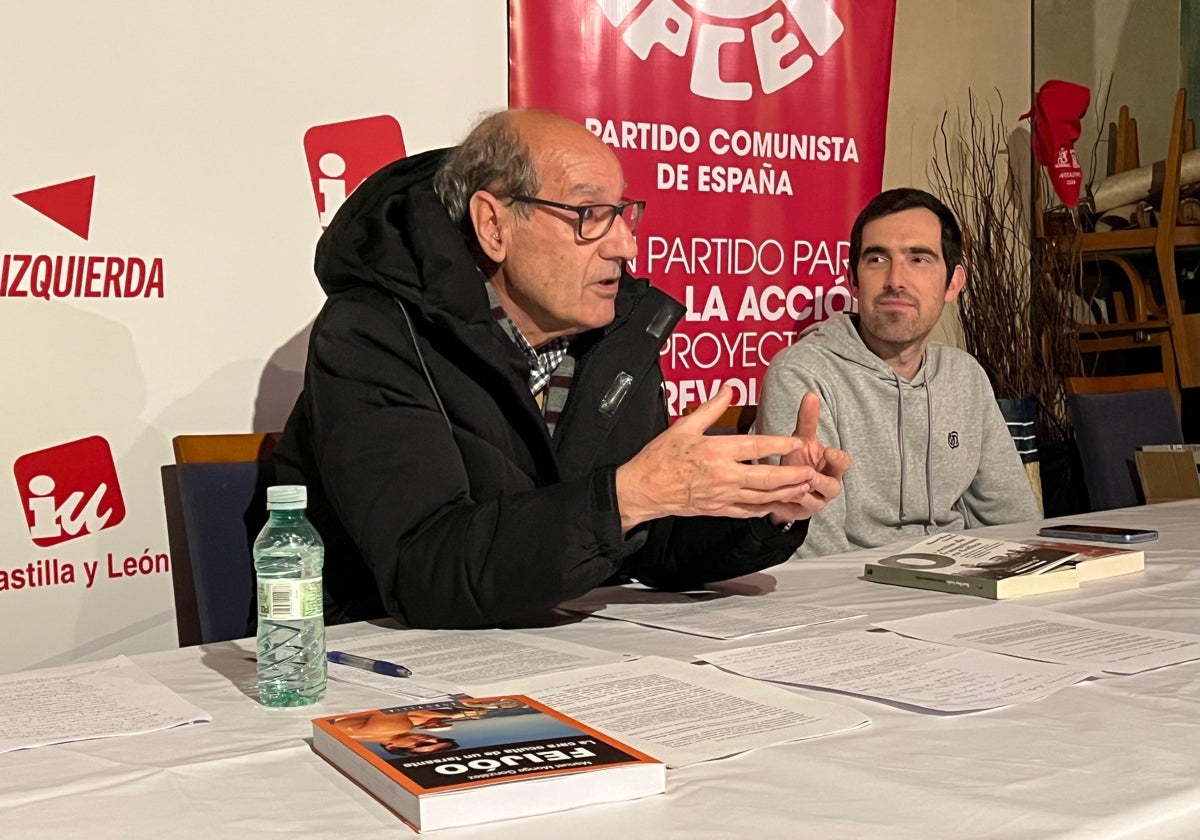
pixel 684 472
pixel 829 463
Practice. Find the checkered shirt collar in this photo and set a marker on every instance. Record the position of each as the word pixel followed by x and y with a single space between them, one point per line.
pixel 542 363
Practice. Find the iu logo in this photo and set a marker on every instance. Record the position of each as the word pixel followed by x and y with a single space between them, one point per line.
pixel 771 40
pixel 69 490
pixel 341 156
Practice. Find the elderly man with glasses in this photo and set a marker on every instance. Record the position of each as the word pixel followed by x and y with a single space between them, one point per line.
pixel 482 429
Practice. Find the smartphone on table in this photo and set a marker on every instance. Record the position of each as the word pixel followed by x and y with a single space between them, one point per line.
pixel 1100 533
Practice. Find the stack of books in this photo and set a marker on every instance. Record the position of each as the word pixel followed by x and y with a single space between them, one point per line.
pixel 970 565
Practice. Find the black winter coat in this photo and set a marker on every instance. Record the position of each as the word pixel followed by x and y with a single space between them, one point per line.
pixel 442 499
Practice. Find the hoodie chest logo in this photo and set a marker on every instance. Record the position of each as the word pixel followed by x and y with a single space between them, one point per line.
pixel 952 439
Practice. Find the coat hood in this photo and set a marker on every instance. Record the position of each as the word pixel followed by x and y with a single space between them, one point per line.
pixel 394 233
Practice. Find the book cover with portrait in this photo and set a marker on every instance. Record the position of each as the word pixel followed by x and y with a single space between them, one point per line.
pixel 461 761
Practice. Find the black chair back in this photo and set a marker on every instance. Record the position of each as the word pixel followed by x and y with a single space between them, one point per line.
pixel 215 509
pixel 1109 428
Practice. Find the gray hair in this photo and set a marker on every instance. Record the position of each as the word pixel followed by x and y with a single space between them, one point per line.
pixel 492 158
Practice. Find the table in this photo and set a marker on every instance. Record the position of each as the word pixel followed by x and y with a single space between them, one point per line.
pixel 1116 757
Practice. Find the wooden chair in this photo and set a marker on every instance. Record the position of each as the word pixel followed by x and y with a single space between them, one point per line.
pixel 215 499
pixel 1162 241
pixel 207 449
pixel 1147 323
pixel 735 420
pixel 1168 476
pixel 1123 152
pixel 1113 416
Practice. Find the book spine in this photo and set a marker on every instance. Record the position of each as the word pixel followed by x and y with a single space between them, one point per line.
pixel 981 587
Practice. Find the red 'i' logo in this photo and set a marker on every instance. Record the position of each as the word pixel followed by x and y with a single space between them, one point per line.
pixel 341 155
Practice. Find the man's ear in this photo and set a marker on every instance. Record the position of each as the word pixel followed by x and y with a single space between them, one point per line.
pixel 957 280
pixel 487 214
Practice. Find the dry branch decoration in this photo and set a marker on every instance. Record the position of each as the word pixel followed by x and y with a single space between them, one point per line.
pixel 1015 309
pixel 1057 287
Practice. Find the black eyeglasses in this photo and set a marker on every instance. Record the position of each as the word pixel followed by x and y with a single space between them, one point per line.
pixel 595 220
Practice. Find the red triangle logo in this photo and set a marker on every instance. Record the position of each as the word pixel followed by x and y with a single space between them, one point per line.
pixel 68 203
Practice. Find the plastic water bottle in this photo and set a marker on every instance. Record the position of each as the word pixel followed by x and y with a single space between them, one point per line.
pixel 288 556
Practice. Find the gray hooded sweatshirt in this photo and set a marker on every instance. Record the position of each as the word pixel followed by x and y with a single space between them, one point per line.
pixel 911 476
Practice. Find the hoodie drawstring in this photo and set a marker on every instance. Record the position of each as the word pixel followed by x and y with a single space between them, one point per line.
pixel 929 451
pixel 900 435
pixel 928 447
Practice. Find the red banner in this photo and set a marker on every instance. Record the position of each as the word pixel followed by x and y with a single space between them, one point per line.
pixel 755 130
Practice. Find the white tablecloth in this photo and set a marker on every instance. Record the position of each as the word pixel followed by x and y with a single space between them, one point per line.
pixel 1117 757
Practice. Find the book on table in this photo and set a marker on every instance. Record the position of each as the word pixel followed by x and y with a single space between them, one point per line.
pixel 1094 561
pixel 472 760
pixel 990 568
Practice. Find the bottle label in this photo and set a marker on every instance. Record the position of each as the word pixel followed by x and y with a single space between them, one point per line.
pixel 290 600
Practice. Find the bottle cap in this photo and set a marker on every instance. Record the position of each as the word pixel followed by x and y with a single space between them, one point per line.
pixel 287 497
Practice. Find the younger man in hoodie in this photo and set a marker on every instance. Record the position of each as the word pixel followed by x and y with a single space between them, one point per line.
pixel 931 450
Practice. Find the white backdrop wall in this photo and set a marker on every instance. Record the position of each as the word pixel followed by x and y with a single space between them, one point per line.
pixel 191 118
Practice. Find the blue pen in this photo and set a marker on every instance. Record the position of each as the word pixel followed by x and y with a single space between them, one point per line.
pixel 389 669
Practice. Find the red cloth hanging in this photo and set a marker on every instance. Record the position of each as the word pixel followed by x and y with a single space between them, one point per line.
pixel 1057 110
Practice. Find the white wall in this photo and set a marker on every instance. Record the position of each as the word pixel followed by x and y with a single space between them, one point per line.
pixel 191 117
pixel 943 49
pixel 1128 53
